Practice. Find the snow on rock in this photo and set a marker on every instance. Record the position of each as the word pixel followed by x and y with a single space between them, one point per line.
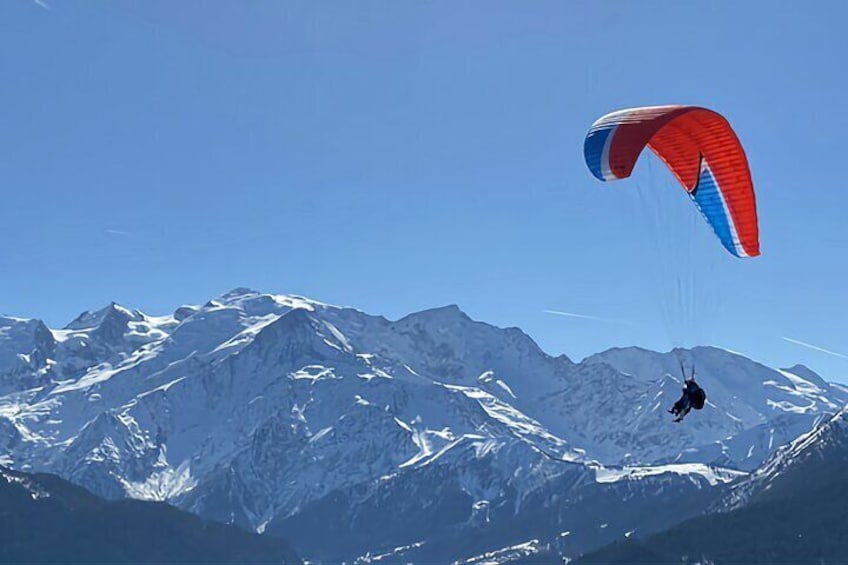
pixel 35 490
pixel 505 555
pixel 712 475
pixel 824 449
pixel 252 407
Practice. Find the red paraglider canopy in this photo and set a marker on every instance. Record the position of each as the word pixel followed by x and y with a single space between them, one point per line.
pixel 700 148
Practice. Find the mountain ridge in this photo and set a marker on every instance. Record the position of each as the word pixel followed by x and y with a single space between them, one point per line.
pixel 254 408
pixel 48 520
pixel 791 510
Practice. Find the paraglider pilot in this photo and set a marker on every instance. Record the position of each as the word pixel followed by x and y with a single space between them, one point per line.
pixel 693 397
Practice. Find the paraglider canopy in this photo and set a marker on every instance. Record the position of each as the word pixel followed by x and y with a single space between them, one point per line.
pixel 701 150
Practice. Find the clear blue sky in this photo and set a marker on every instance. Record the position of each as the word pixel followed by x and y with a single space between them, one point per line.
pixel 395 156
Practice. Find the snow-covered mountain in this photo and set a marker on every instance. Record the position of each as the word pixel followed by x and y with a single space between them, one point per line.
pixel 273 411
pixel 751 409
pixel 815 457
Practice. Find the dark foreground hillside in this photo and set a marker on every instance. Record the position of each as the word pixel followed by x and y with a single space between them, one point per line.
pixel 44 519
pixel 802 520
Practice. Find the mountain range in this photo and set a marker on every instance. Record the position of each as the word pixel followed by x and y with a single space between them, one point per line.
pixel 434 437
